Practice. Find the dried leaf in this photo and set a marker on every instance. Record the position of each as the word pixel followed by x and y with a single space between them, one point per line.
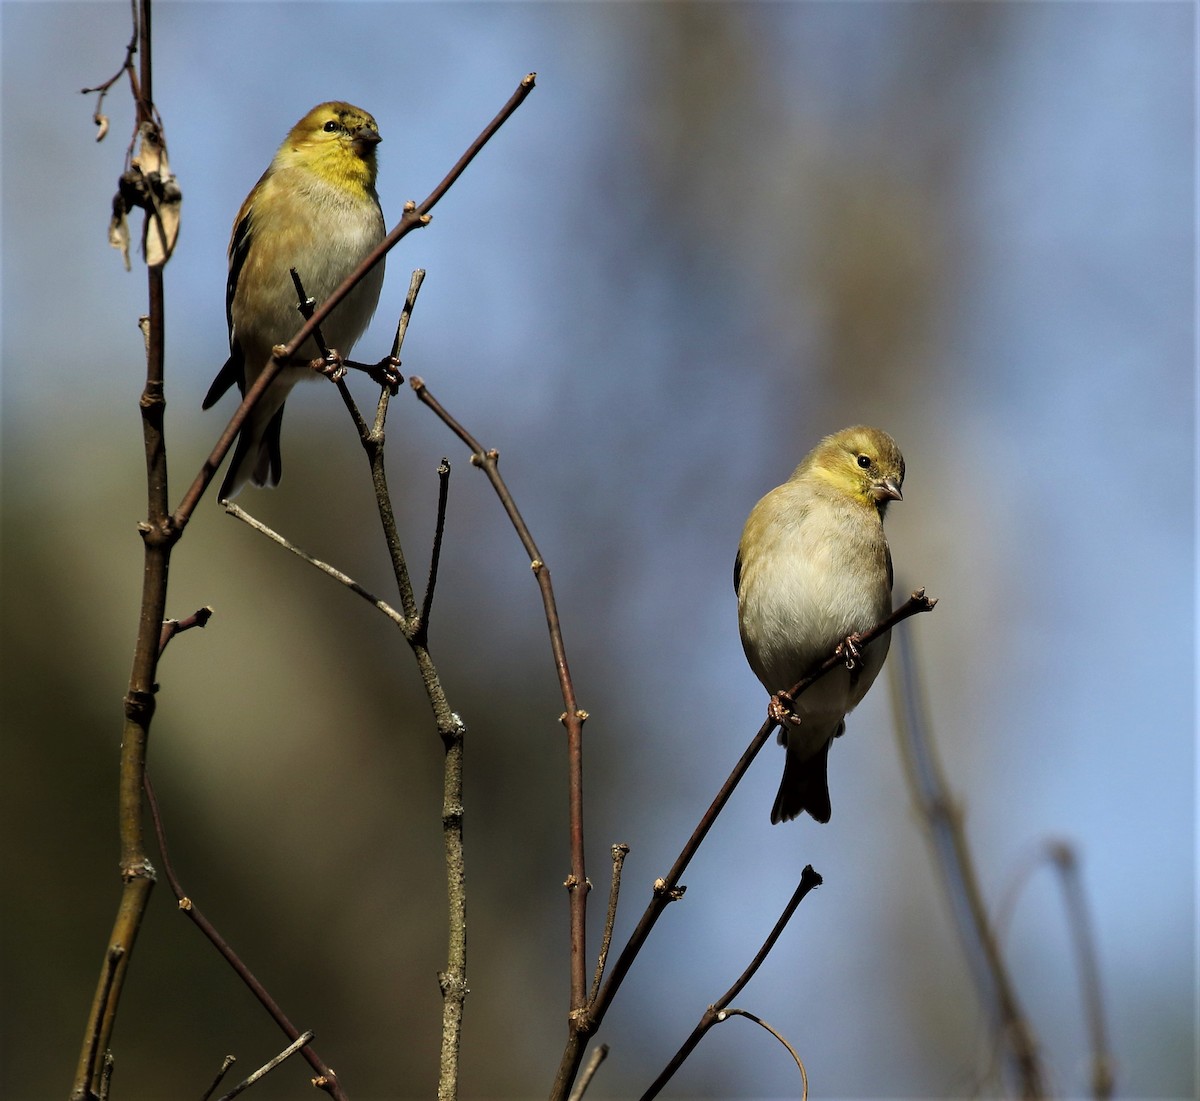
pixel 162 193
pixel 118 228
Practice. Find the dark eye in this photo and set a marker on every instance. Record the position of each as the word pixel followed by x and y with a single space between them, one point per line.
pixel 864 461
pixel 331 126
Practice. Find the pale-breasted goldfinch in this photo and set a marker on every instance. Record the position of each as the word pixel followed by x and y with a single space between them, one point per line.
pixel 315 209
pixel 813 570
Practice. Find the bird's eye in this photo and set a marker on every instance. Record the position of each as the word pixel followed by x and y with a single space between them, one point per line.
pixel 331 126
pixel 864 461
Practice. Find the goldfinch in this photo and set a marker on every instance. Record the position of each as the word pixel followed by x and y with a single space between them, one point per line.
pixel 812 570
pixel 314 209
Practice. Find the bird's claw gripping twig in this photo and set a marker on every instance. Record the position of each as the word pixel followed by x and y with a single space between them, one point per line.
pixel 779 709
pixel 848 648
pixel 386 373
pixel 331 365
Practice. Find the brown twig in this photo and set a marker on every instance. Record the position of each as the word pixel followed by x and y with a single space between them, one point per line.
pixel 1066 863
pixel 943 819
pixel 226 1064
pixel 159 537
pixel 326 1079
pixel 435 555
pixel 715 1013
pixel 619 852
pixel 98 117
pixel 173 627
pixel 599 1054
pixel 790 1050
pixel 573 716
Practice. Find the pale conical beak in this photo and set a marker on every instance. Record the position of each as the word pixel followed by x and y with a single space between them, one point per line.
pixel 887 490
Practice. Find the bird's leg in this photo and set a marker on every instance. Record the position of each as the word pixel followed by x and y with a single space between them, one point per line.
pixel 779 709
pixel 848 648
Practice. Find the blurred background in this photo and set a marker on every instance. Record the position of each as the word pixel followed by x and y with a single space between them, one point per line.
pixel 712 234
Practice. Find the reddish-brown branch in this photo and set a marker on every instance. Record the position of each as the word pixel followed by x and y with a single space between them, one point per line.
pixel 573 716
pixel 159 537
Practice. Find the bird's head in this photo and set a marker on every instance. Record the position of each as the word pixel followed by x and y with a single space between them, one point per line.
pixel 863 463
pixel 337 140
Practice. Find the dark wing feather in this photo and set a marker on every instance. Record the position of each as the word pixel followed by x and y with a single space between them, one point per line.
pixel 230 373
pixel 234 368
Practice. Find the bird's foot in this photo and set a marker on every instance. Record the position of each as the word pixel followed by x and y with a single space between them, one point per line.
pixel 779 709
pixel 331 365
pixel 386 373
pixel 848 649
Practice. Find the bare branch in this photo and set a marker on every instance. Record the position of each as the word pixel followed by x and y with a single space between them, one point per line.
pixel 326 1079
pixel 619 852
pixel 286 1053
pixel 226 1064
pixel 573 716
pixel 599 1054
pixel 239 513
pixel 665 888
pixel 159 536
pixel 1060 856
pixel 725 1014
pixel 715 1013
pixel 173 627
pixel 943 819
pixel 439 530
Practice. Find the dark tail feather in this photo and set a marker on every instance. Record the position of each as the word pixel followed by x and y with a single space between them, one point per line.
pixel 805 787
pixel 256 458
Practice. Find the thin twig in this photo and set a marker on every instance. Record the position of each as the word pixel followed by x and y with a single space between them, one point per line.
pixel 619 852
pixel 266 1068
pixel 226 1064
pixel 1103 1065
pixel 239 513
pixel 326 1079
pixel 724 1015
pixel 375 437
pixel 573 716
pixel 173 627
pixel 715 1013
pixel 98 117
pixel 943 819
pixel 599 1054
pixel 435 556
pixel 107 1066
pixel 451 729
pixel 1060 856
